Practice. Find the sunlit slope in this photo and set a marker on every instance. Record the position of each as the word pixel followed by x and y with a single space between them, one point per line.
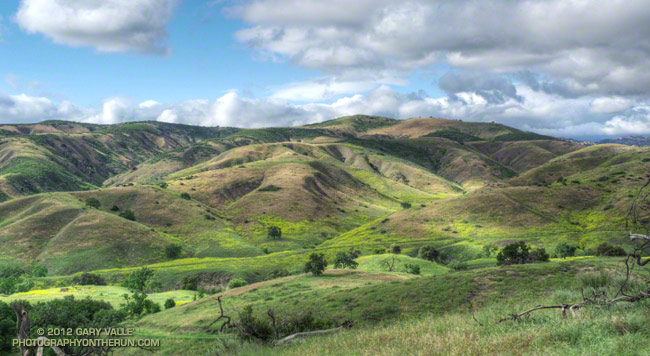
pixel 65 156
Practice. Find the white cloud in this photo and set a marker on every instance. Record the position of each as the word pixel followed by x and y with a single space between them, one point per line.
pixel 610 104
pixel 106 25
pixel 321 89
pixel 531 110
pixel 589 47
pixel 148 104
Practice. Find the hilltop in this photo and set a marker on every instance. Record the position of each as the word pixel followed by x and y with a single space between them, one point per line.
pixel 357 181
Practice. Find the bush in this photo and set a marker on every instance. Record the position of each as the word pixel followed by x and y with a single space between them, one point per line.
pixel 405 205
pixel 316 264
pixel 8 285
pixel 170 303
pixel 274 233
pixel 139 280
pixel 163 185
pixel 396 249
pixel 25 286
pixel 520 253
pixel 236 283
pixel 270 188
pixel 39 271
pixel 564 250
pixel 11 269
pixel 458 265
pixel 489 249
pixel 89 279
pixel 128 214
pixel 429 253
pixel 606 249
pixel 115 208
pixel 173 251
pixel 93 203
pixel 137 305
pixel 70 313
pixel 190 282
pixel 538 255
pixel 186 196
pixel 412 268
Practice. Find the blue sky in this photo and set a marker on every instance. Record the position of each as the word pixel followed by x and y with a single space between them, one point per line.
pixel 566 68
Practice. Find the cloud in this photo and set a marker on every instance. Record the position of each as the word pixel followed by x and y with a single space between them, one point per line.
pixel 27 109
pixel 321 89
pixel 529 110
pixel 106 25
pixel 610 104
pixel 493 89
pixel 584 47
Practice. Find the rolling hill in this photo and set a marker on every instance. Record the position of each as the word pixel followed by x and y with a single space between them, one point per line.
pixel 357 181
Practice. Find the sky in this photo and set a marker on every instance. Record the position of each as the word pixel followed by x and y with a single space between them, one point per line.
pixel 567 68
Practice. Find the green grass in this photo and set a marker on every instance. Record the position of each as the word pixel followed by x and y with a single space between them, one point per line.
pixel 425 314
pixel 111 294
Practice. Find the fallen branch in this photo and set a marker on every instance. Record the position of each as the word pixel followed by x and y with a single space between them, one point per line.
pixel 296 336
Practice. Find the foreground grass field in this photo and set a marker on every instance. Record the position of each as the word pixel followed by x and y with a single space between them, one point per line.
pixel 425 315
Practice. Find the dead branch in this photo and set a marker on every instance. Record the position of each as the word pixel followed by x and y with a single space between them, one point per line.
pixel 227 323
pixel 638 220
pixel 296 336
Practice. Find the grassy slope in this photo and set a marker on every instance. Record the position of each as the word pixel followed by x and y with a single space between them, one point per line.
pixel 418 313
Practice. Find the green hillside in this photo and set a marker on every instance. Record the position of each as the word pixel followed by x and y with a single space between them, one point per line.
pixel 254 204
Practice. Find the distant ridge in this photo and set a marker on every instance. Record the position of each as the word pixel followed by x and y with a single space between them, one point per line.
pixel 629 140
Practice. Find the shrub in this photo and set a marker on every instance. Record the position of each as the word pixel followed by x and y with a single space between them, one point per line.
pixel 186 196
pixel 25 286
pixel 458 265
pixel 538 255
pixel 115 208
pixel 429 253
pixel 137 304
pixel 70 313
pixel 489 249
pixel 564 250
pixel 89 279
pixel 10 269
pixel 236 283
pixel 405 205
pixel 173 251
pixel 170 303
pixel 274 233
pixel 39 271
pixel 515 253
pixel 270 188
pixel 520 253
pixel 606 249
pixel 93 203
pixel 316 264
pixel 128 214
pixel 190 282
pixel 8 285
pixel 137 280
pixel 163 185
pixel 396 249
pixel 412 268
